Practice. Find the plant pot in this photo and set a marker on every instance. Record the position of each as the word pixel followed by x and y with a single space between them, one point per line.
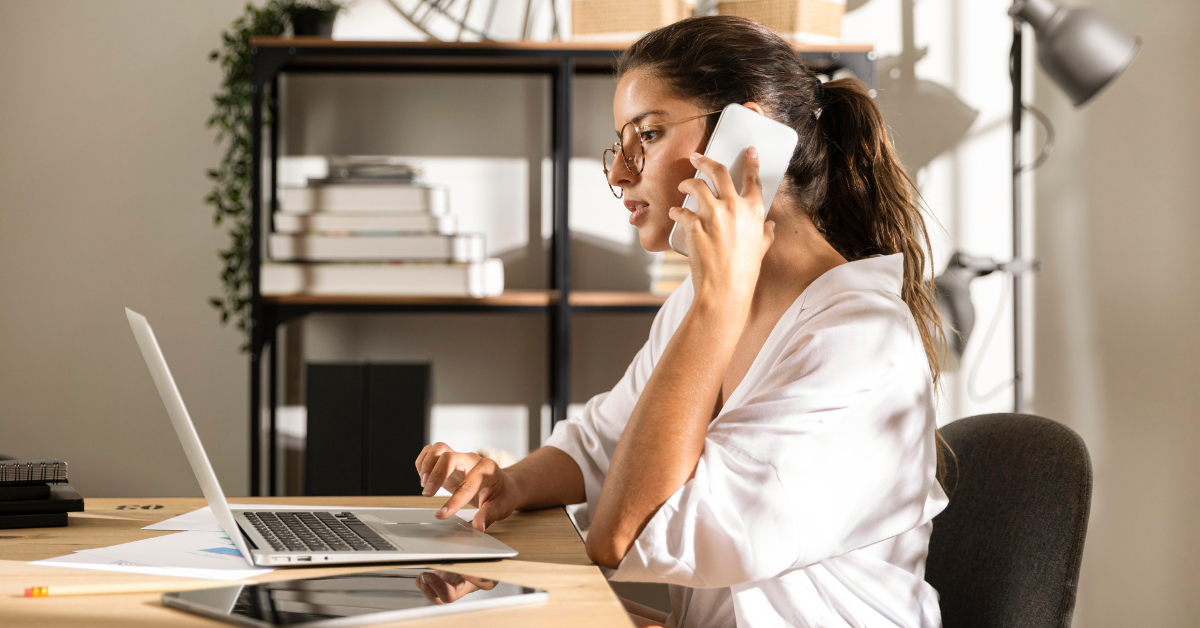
pixel 310 22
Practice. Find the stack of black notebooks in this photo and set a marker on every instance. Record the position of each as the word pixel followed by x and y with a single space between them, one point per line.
pixel 34 494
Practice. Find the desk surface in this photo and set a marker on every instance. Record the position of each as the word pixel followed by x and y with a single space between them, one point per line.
pixel 552 557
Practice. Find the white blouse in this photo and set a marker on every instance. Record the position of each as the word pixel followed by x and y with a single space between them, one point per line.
pixel 813 499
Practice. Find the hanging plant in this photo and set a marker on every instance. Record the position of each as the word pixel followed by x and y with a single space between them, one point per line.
pixel 231 194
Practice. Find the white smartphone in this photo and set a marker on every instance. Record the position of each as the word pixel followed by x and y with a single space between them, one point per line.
pixel 737 129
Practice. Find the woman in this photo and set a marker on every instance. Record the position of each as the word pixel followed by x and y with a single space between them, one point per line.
pixel 770 452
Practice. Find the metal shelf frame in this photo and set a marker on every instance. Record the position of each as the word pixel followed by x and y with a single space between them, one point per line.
pixel 560 61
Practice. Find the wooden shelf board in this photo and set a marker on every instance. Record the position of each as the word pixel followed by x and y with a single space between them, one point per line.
pixel 589 298
pixel 554 46
pixel 510 298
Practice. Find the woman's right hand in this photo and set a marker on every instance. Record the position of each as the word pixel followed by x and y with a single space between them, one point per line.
pixel 444 587
pixel 473 480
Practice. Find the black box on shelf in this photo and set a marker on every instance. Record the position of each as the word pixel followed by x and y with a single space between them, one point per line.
pixel 367 422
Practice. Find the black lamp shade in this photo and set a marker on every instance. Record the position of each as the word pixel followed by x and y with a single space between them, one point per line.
pixel 952 290
pixel 953 293
pixel 1077 47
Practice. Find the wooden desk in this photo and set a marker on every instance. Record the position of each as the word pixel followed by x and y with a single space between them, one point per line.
pixel 551 557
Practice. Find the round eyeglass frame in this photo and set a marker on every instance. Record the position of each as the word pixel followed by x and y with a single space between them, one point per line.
pixel 618 148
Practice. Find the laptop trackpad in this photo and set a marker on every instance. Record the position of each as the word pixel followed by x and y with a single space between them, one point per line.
pixel 398 515
pixel 429 537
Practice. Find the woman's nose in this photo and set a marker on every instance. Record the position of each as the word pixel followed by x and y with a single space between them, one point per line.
pixel 619 174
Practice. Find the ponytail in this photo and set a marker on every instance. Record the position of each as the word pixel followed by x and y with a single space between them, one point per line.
pixel 870 206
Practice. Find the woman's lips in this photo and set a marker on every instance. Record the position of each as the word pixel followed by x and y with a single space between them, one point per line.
pixel 635 211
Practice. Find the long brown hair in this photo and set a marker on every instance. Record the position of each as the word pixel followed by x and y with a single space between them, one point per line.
pixel 845 171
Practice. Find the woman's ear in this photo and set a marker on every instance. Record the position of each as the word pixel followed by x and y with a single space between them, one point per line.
pixel 754 106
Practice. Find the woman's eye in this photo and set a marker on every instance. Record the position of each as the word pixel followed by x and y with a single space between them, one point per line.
pixel 649 135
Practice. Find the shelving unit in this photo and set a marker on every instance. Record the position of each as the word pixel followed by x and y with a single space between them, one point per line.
pixel 561 61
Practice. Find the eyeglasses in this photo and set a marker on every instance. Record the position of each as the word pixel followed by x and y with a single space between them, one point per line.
pixel 632 147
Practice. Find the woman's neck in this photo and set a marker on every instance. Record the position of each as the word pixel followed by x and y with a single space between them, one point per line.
pixel 796 258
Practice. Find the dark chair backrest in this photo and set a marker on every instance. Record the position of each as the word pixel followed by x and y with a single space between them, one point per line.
pixel 1006 552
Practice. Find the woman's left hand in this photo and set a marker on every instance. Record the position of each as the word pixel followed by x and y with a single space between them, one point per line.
pixel 728 236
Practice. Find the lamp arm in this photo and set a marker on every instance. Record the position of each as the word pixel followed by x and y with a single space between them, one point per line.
pixel 1048 146
pixel 1020 266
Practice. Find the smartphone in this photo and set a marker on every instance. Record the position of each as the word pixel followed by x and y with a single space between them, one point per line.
pixel 737 129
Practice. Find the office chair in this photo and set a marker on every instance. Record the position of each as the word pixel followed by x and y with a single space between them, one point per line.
pixel 1006 552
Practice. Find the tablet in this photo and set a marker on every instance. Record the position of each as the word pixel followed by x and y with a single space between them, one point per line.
pixel 353 599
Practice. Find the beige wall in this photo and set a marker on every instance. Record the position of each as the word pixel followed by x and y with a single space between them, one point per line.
pixel 102 157
pixel 1118 346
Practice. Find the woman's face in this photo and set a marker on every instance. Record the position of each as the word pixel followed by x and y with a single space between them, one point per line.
pixel 643 99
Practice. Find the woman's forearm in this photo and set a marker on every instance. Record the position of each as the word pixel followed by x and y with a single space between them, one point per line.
pixel 547 477
pixel 664 437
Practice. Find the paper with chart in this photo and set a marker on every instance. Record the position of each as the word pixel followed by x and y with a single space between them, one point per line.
pixel 192 554
pixel 100 563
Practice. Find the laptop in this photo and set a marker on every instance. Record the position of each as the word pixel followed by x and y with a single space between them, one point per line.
pixel 287 537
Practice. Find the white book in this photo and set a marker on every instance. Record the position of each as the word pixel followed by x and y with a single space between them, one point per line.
pixel 465 247
pixel 477 279
pixel 669 269
pixel 362 197
pixel 359 222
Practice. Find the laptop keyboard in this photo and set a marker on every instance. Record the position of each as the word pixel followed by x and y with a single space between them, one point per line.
pixel 317 532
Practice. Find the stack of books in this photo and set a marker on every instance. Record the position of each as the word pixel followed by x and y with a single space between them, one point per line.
pixel 668 272
pixel 372 227
pixel 34 494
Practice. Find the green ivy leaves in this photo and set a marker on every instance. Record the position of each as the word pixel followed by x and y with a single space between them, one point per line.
pixel 231 194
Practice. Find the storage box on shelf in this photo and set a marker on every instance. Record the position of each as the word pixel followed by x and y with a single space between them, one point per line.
pixel 624 20
pixel 806 21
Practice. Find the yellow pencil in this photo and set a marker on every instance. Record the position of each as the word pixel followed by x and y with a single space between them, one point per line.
pixel 112 589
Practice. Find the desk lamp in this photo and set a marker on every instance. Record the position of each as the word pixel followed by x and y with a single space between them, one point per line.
pixel 1081 53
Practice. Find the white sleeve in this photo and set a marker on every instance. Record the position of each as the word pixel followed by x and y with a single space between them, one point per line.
pixel 591 437
pixel 831 450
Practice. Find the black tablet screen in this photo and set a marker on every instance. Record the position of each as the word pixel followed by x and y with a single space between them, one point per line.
pixel 411 592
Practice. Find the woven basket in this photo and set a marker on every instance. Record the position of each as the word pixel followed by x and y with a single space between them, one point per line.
pixel 812 21
pixel 624 19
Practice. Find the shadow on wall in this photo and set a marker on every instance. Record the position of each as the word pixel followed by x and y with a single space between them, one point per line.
pixel 926 118
pixel 605 253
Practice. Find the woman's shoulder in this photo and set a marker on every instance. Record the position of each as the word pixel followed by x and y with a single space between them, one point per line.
pixel 857 296
pixel 853 317
pixel 879 276
pixel 857 311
